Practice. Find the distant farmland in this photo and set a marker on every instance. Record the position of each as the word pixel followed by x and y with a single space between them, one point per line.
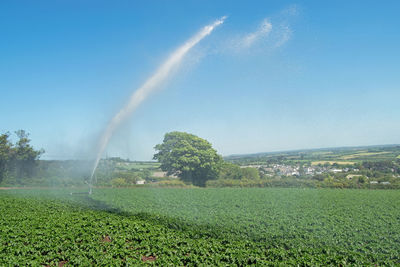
pixel 364 154
pixel 138 165
pixel 322 162
pixel 346 155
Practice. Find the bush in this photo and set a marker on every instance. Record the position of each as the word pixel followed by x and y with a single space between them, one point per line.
pixel 250 173
pixel 170 183
pixel 118 182
pixel 229 171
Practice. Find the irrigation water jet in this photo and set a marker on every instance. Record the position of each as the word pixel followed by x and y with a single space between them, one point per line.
pixel 160 76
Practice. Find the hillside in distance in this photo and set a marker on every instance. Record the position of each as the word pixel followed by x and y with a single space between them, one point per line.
pixel 337 155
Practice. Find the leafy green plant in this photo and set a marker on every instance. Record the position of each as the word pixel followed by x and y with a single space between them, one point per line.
pixel 192 226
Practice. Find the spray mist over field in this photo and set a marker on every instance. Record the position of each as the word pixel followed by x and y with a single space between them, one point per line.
pixel 154 82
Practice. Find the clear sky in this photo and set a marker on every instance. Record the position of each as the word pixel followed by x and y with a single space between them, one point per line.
pixel 277 75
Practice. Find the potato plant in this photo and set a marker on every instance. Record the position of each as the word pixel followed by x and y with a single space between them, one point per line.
pixel 200 226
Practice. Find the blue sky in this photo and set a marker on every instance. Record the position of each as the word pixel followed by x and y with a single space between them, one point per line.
pixel 326 75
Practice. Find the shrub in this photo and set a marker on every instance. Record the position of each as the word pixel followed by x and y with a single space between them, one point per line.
pixel 170 183
pixel 118 182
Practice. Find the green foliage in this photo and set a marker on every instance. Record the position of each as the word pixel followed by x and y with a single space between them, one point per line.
pixel 236 183
pixel 230 171
pixel 118 182
pixel 276 182
pixel 192 227
pixel 234 172
pixel 5 154
pixel 170 183
pixel 24 156
pixel 17 160
pixel 129 177
pixel 362 179
pixel 57 173
pixel 189 157
pixel 250 173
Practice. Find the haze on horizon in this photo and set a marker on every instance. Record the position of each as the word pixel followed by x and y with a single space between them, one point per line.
pixel 276 76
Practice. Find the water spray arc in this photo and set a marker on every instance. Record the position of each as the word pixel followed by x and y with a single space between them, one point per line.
pixel 161 74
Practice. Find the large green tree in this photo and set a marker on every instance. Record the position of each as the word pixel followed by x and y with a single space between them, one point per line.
pixel 24 156
pixel 19 159
pixel 189 157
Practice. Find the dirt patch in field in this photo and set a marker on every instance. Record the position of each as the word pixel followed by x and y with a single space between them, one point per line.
pixel 149 258
pixel 106 239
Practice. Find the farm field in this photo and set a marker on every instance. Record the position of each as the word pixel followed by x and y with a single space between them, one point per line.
pixel 345 155
pixel 138 165
pixel 191 226
pixel 332 162
pixel 363 154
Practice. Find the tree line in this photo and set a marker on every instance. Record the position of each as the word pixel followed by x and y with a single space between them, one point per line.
pixel 190 158
pixel 19 159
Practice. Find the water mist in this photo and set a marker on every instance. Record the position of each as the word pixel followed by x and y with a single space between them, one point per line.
pixel 154 82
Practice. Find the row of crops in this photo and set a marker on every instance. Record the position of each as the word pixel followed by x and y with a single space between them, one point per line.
pixel 193 226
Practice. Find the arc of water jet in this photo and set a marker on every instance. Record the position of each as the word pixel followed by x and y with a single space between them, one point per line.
pixel 149 86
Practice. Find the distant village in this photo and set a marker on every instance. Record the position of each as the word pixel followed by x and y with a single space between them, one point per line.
pixel 297 171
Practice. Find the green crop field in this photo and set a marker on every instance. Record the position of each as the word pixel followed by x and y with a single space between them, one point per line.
pixel 193 226
pixel 138 165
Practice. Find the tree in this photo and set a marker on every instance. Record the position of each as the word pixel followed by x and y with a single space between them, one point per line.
pixel 189 157
pixel 230 171
pixel 5 153
pixel 250 173
pixel 23 156
pixel 362 180
pixel 19 159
